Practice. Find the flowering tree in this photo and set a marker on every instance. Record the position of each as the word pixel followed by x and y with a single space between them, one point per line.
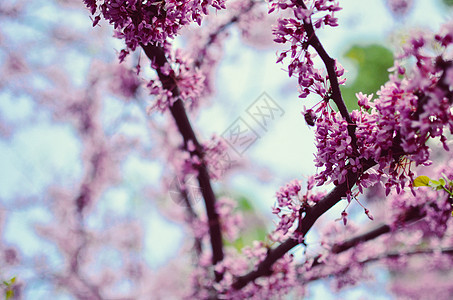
pixel 390 157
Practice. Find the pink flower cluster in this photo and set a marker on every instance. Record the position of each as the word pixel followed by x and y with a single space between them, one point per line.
pixel 304 12
pixel 230 220
pixel 434 205
pixel 216 157
pixel 311 79
pixel 283 275
pixel 125 82
pixel 400 7
pixel 235 264
pixel 426 220
pixel 392 130
pixel 290 206
pixel 335 151
pixel 282 280
pixel 343 268
pixel 142 22
pixel 189 81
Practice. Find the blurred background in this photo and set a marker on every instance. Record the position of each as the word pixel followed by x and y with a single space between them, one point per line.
pixel 51 57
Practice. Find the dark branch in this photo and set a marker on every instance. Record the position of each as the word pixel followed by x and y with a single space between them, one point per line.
pixel 393 254
pixel 191 217
pixel 374 233
pixel 330 67
pixel 157 55
pixel 448 250
pixel 264 268
pixel 413 214
pixel 313 213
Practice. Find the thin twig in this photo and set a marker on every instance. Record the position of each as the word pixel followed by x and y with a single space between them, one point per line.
pixel 213 36
pixel 411 215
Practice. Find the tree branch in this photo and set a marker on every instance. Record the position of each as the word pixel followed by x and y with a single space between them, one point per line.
pixel 394 254
pixel 413 214
pixel 313 213
pixel 330 67
pixel 448 250
pixel 372 234
pixel 157 55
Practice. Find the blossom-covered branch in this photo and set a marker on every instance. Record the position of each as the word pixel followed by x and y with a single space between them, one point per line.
pixel 413 214
pixel 379 143
pixel 387 255
pixel 305 224
pixel 157 56
pixel 389 156
pixel 332 69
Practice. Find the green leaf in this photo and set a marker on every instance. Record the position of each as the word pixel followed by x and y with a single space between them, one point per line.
pixel 437 185
pixel 248 236
pixel 448 2
pixel 244 204
pixel 372 63
pixel 422 181
pixel 434 183
pixel 9 294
